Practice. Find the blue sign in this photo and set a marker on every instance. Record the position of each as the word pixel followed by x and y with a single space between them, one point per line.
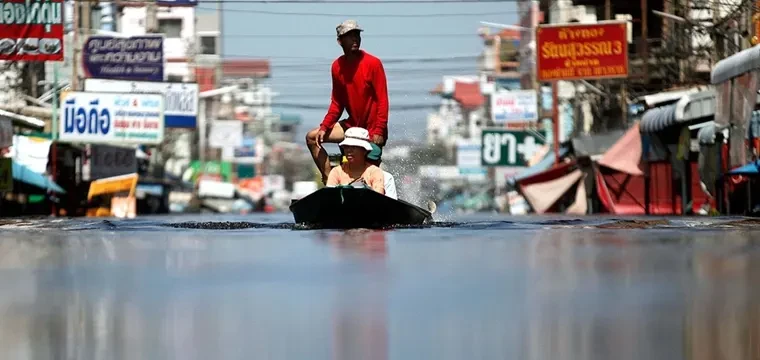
pixel 247 150
pixel 91 120
pixel 177 2
pixel 133 58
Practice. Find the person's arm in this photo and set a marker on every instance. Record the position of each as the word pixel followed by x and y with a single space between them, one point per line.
pixel 332 178
pixel 336 100
pixel 380 85
pixel 377 180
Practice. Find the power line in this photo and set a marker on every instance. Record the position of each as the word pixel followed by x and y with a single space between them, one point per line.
pixel 411 35
pixel 368 2
pixel 325 106
pixel 268 12
pixel 384 59
pixel 414 70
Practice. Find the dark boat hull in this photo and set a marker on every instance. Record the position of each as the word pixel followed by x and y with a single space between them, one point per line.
pixel 347 208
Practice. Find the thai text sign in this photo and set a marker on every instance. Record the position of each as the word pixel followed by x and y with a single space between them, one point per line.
pixel 181 99
pixel 31 30
pixel 514 106
pixel 582 51
pixel 504 147
pixel 133 58
pixel 468 160
pixel 111 118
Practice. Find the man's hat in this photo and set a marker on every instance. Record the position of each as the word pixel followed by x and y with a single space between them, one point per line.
pixel 346 26
pixel 375 153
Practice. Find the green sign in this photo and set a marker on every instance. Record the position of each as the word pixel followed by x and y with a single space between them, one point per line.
pixel 507 147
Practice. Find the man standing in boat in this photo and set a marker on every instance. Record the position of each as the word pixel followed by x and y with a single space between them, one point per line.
pixel 359 86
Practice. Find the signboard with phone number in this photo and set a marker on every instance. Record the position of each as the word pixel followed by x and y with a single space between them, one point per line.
pixel 111 118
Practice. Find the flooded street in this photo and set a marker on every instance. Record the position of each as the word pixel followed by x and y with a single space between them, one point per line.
pixel 468 288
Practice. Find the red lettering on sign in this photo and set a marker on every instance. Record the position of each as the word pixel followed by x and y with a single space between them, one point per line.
pixel 121 124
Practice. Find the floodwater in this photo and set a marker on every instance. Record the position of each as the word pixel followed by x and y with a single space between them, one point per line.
pixel 479 287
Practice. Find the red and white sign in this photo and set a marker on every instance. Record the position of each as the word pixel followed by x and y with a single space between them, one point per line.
pixel 31 30
pixel 582 51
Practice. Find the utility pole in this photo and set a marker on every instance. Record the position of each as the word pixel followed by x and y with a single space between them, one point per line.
pixel 74 82
pixel 151 17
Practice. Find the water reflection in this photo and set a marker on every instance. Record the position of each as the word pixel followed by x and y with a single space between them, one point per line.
pixel 422 294
pixel 359 327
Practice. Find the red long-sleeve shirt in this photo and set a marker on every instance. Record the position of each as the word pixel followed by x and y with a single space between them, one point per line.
pixel 359 87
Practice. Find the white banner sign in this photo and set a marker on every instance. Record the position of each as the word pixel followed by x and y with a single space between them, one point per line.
pixel 515 106
pixel 226 133
pixel 31 152
pixel 181 99
pixel 468 160
pixel 111 118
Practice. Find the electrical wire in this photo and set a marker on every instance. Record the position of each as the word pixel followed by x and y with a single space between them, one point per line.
pixel 332 36
pixel 401 107
pixel 358 2
pixel 284 13
pixel 324 71
pixel 384 59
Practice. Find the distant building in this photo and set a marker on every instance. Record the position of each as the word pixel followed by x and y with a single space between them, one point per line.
pixel 462 113
pixel 178 26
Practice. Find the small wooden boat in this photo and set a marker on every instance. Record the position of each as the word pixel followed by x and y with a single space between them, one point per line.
pixel 352 207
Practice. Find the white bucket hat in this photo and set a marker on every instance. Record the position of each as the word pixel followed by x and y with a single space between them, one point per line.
pixel 357 136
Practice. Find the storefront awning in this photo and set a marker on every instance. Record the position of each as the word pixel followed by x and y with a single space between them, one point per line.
pixel 752 169
pixel 735 65
pixel 542 196
pixel 542 166
pixel 21 120
pixel 625 155
pixel 26 175
pixel 690 108
pixel 595 144
pixel 696 106
pixel 706 133
pixel 658 119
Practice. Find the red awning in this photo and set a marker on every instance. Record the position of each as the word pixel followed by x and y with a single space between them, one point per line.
pixel 625 155
pixel 468 95
pixel 580 205
pixel 620 193
pixel 543 196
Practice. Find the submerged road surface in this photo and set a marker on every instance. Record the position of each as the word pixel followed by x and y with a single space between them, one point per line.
pixel 470 288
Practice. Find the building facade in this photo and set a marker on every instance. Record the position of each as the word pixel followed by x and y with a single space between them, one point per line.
pixel 178 26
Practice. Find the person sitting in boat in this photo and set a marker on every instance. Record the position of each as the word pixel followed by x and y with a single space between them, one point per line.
pixel 356 169
pixel 389 183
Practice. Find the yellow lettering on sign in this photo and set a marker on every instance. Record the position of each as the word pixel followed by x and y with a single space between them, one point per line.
pixel 574 50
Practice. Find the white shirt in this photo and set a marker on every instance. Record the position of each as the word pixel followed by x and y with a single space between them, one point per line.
pixel 389 185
